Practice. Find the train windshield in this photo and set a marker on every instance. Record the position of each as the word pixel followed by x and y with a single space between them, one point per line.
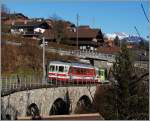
pixel 52 68
pixel 61 68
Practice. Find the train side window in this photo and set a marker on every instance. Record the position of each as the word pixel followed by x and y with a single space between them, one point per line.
pixel 61 68
pixel 89 71
pixel 75 70
pixel 52 68
pixel 83 71
pixel 86 71
pixel 78 71
pixel 92 71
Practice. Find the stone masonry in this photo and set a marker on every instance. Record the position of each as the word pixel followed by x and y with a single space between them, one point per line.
pixel 17 103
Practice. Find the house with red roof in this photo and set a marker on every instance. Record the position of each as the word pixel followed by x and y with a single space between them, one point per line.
pixel 88 38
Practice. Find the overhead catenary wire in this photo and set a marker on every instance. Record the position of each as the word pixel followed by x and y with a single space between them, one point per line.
pixel 144 12
pixel 137 31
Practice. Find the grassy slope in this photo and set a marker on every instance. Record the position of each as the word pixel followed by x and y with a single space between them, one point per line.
pixel 26 59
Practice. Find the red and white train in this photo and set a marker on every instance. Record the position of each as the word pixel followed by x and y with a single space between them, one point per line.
pixel 71 72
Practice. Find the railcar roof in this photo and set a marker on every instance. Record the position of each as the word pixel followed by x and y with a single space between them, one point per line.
pixel 60 62
pixel 82 65
pixel 76 64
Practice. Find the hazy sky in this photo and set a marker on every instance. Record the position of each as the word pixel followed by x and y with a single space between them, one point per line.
pixel 110 16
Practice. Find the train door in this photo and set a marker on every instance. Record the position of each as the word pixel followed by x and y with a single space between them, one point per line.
pixel 70 73
pixel 102 74
pixel 97 74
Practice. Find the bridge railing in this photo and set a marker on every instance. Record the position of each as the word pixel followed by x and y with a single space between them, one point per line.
pixel 13 83
pixel 92 54
pixel 141 65
pixel 84 54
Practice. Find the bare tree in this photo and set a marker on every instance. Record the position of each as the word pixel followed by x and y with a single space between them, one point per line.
pixel 4 9
pixel 59 28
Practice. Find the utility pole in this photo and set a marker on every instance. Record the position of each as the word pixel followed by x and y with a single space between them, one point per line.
pixel 77 29
pixel 44 60
pixel 93 22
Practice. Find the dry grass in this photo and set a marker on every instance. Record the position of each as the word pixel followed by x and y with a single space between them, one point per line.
pixel 62 46
pixel 26 57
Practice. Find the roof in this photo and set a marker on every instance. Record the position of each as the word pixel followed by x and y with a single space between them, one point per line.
pixel 83 33
pixel 29 24
pixel 60 62
pixel 75 64
pixel 85 36
pixel 82 65
pixel 14 16
pixel 88 42
pixel 84 26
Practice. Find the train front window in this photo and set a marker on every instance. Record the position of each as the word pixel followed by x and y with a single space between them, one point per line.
pixel 61 68
pixel 52 68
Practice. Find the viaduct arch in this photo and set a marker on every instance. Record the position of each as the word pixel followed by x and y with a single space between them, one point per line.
pixel 44 100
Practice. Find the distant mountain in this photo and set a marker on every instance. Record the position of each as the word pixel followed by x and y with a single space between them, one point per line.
pixel 123 36
pixel 134 39
pixel 112 36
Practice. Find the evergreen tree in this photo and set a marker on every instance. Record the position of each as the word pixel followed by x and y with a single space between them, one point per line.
pixel 117 41
pixel 127 97
pixel 123 69
pixel 129 101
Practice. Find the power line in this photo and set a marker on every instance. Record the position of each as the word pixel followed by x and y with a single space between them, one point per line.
pixel 144 12
pixel 137 31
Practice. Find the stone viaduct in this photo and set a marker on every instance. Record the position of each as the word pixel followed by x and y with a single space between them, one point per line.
pixel 18 103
